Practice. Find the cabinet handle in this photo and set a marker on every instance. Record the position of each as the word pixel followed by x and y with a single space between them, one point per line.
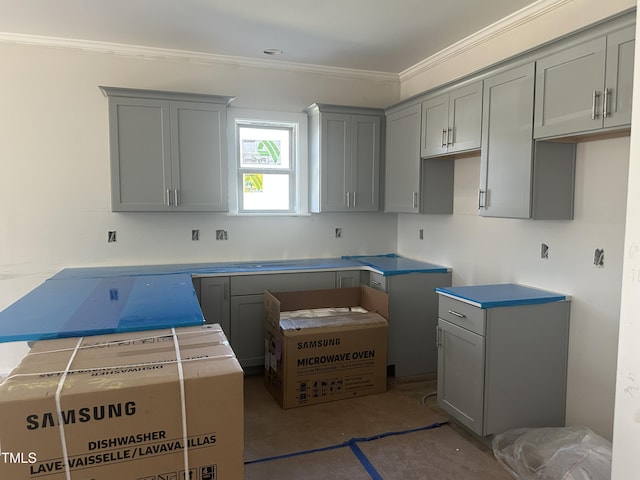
pixel 354 199
pixel 348 197
pixel 457 314
pixel 594 99
pixel 481 196
pixel 415 199
pixel 605 104
pixel 376 283
pixel 175 197
pixel 438 337
pixel 168 198
pixel 444 137
pixel 450 136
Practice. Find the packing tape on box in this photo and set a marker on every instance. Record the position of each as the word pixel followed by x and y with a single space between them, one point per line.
pixel 183 402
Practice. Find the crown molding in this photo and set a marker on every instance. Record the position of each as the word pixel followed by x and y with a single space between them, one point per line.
pixel 154 53
pixel 506 24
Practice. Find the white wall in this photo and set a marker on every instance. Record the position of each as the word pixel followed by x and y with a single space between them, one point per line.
pixel 626 433
pixel 54 159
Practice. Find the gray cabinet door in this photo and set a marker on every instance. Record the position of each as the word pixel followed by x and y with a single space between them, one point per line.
pixel 465 118
pixel 619 78
pixel 247 329
pixel 214 301
pixel 366 143
pixel 199 174
pixel 402 161
pixel 461 364
pixel 568 88
pixel 452 122
pixel 349 279
pixel 507 144
pixel 435 126
pixel 335 140
pixel 140 141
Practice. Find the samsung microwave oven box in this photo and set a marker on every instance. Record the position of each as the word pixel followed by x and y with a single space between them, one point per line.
pixel 161 404
pixel 323 345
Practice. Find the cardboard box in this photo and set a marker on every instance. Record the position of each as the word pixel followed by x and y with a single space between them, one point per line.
pixel 331 357
pixel 161 404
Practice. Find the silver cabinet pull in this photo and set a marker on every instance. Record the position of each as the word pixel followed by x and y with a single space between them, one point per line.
pixel 415 199
pixel 444 137
pixel 168 198
pixel 354 200
pixel 348 204
pixel 376 283
pixel 481 197
pixel 605 104
pixel 450 136
pixel 175 197
pixel 457 314
pixel 594 101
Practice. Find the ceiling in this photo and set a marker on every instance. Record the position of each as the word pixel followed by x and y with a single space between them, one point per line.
pixel 375 35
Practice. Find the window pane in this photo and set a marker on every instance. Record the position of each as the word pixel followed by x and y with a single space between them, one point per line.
pixel 264 147
pixel 265 191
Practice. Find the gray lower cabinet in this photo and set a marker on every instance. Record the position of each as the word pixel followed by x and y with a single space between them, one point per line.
pixel 214 301
pixel 503 367
pixel 520 178
pixel 586 87
pixel 350 278
pixel 451 122
pixel 345 161
pixel 167 151
pixel 413 317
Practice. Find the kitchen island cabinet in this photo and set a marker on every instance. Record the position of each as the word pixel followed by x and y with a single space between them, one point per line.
pixel 502 356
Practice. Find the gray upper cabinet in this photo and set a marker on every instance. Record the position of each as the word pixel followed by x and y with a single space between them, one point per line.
pixel 167 151
pixel 345 145
pixel 520 178
pixel 402 161
pixel 585 87
pixel 451 122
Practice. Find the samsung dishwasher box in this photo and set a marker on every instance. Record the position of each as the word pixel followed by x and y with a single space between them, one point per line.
pixel 161 404
pixel 336 351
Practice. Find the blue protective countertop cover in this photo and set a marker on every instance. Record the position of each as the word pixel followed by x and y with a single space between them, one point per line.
pixel 500 295
pixel 98 300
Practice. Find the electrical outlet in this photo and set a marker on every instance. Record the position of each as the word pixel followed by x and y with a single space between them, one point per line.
pixel 111 236
pixel 544 251
pixel 598 257
pixel 195 235
pixel 221 235
pixel 421 234
pixel 338 233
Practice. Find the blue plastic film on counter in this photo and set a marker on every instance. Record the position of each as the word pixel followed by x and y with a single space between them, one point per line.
pixel 94 306
pixel 392 264
pixel 500 295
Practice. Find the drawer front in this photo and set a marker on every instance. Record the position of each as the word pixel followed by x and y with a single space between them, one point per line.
pixel 462 314
pixel 378 281
pixel 282 282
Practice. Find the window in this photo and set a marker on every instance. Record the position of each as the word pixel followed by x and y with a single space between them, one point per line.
pixel 265 173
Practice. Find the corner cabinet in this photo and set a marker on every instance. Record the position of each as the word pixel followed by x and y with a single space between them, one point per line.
pixel 167 151
pixel 345 145
pixel 451 122
pixel 502 366
pixel 600 99
pixel 520 178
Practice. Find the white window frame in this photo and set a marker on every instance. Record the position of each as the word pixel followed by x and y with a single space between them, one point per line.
pixel 298 121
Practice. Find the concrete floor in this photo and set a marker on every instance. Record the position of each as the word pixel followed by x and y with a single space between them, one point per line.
pixel 317 441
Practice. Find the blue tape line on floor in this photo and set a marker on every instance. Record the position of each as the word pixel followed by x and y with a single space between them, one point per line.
pixel 352 444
